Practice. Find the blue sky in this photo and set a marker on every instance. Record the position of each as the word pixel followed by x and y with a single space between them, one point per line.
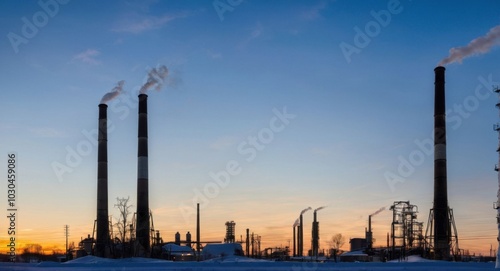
pixel 353 119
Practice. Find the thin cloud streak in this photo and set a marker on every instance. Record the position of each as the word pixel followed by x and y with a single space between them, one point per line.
pixel 254 33
pixel 314 12
pixel 88 57
pixel 146 23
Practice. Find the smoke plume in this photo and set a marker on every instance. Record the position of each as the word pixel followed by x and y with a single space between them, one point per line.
pixel 378 211
pixel 297 222
pixel 113 93
pixel 156 77
pixel 305 210
pixel 317 209
pixel 477 46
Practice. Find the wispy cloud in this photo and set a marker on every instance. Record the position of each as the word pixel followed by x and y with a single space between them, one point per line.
pixel 314 12
pixel 254 33
pixel 141 24
pixel 118 41
pixel 143 5
pixel 257 31
pixel 213 54
pixel 88 57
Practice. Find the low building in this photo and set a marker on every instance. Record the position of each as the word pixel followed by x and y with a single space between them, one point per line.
pixel 212 251
pixel 358 244
pixel 175 252
pixel 354 256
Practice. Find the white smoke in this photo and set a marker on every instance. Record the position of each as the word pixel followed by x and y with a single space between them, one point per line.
pixel 378 211
pixel 305 210
pixel 113 93
pixel 156 76
pixel 477 46
pixel 297 222
pixel 317 209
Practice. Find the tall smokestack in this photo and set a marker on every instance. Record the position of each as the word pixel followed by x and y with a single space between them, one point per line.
pixel 295 236
pixel 142 229
pixel 442 235
pixel 198 245
pixel 298 239
pixel 300 248
pixel 248 243
pixel 102 231
pixel 301 237
pixel 369 235
pixel 369 223
pixel 315 235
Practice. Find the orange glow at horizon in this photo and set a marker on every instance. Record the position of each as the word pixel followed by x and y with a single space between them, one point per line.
pixel 271 237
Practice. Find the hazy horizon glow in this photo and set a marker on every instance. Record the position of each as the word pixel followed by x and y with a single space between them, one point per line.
pixel 262 114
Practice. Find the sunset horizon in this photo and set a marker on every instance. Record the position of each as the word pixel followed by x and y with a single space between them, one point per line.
pixel 254 110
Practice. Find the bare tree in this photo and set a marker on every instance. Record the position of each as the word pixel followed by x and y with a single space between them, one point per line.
pixel 124 208
pixel 337 241
pixel 33 252
pixel 33 249
pixel 71 246
pixel 57 252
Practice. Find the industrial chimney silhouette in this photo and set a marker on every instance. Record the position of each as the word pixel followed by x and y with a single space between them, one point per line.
pixel 369 234
pixel 301 237
pixel 300 234
pixel 102 231
pixel 442 229
pixel 315 235
pixel 142 214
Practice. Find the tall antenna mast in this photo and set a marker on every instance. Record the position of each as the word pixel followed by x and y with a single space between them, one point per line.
pixel 496 205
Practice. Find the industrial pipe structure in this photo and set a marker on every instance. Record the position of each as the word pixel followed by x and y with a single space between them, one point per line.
pixel 247 243
pixel 143 222
pixel 102 229
pixel 315 236
pixel 299 237
pixel 299 240
pixel 369 234
pixel 442 229
pixel 300 249
pixel 315 233
pixel 297 223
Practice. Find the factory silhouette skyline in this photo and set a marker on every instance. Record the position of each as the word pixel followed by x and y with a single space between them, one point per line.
pixel 435 238
pixel 440 241
pixel 441 238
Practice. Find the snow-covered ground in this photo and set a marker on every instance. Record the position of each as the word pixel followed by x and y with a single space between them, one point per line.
pixel 239 264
